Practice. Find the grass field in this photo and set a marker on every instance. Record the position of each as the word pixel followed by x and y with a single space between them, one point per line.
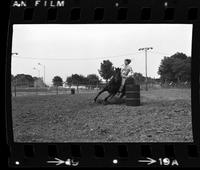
pixel 164 116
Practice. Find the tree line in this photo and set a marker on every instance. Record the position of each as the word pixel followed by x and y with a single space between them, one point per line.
pixel 176 68
pixel 77 79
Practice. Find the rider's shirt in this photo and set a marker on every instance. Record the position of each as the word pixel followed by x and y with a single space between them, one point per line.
pixel 125 70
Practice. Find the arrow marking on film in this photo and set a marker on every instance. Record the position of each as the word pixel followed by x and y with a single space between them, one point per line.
pixel 149 161
pixel 67 162
pixel 58 161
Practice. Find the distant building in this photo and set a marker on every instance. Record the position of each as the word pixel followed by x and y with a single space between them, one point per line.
pixel 74 86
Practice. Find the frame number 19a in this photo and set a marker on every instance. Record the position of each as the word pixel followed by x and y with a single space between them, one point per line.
pixel 168 162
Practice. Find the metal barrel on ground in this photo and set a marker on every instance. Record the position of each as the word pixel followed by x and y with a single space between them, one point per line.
pixel 132 93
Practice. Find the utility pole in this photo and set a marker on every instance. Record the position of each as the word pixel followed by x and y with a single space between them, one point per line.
pixel 43 70
pixel 145 50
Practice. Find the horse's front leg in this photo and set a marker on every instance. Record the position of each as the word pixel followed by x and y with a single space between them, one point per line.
pixel 122 95
pixel 95 99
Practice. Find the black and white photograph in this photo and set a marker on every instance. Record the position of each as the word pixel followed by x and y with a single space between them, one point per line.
pixel 101 83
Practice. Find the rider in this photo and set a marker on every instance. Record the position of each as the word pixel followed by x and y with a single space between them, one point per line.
pixel 125 70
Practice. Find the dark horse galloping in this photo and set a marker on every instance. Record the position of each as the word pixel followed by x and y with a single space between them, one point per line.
pixel 113 86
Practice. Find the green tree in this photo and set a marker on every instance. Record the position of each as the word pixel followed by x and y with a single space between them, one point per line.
pixel 139 78
pixel 23 80
pixel 76 79
pixel 69 81
pixel 106 69
pixel 12 77
pixel 57 81
pixel 176 68
pixel 180 56
pixel 93 79
pixel 165 69
pixel 187 74
pixel 83 80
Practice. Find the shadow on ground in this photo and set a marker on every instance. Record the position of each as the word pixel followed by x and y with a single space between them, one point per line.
pixel 114 100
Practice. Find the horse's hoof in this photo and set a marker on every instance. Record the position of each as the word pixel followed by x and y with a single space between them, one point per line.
pixel 105 102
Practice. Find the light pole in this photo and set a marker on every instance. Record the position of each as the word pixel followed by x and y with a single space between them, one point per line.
pixel 43 70
pixel 37 70
pixel 36 79
pixel 145 50
pixel 14 53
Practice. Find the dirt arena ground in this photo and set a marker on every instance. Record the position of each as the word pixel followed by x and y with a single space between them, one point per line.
pixel 164 116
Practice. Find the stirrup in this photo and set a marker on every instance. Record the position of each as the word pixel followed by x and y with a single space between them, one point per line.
pixel 119 91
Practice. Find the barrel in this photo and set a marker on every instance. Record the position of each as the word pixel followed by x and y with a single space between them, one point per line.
pixel 132 94
pixel 72 91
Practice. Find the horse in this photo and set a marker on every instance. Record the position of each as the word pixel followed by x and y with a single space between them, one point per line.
pixel 113 86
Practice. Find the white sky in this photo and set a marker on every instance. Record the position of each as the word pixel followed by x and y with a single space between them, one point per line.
pixel 81 48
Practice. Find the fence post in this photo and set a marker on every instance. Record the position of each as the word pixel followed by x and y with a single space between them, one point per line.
pixel 77 88
pixel 15 90
pixel 36 89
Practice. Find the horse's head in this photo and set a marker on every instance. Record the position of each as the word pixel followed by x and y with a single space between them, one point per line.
pixel 117 70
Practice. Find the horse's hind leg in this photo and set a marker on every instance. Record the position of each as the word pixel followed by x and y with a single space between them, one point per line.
pixel 99 94
pixel 107 97
pixel 112 96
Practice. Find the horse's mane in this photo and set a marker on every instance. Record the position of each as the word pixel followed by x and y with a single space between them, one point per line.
pixel 112 80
